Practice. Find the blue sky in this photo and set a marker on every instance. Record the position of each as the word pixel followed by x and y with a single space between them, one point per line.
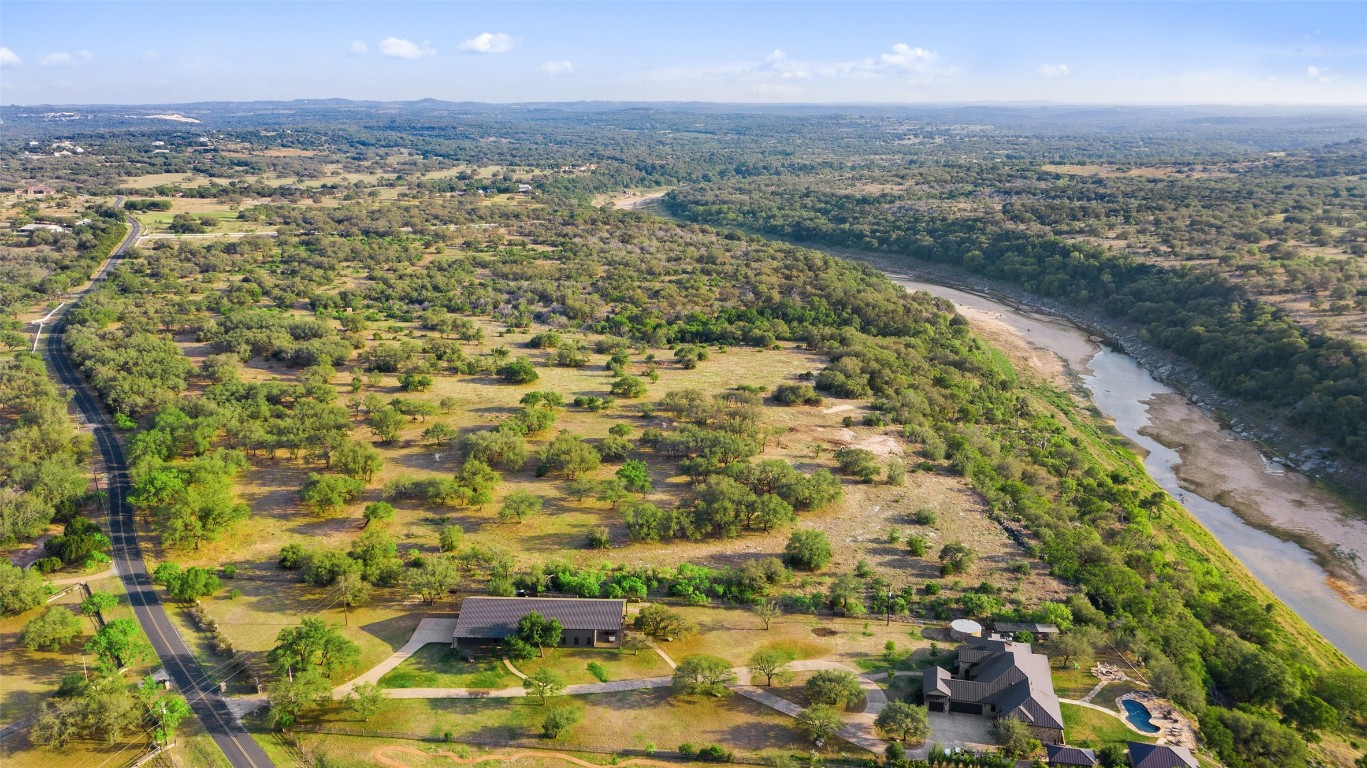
pixel 1097 52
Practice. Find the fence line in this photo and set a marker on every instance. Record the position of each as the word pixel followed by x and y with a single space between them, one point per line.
pixel 537 744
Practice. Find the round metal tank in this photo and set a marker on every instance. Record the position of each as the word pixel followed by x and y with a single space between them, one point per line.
pixel 962 629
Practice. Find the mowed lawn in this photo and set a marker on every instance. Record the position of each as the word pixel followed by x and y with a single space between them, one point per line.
pixel 1089 728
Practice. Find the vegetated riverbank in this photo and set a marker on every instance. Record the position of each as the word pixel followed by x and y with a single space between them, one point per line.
pixel 1274 507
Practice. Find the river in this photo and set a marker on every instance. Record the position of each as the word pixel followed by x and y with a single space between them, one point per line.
pixel 1155 417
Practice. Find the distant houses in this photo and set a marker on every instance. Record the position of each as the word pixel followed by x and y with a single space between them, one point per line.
pixel 995 677
pixel 586 623
pixel 35 227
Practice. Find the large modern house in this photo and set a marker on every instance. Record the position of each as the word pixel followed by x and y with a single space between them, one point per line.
pixel 587 623
pixel 996 677
pixel 1160 756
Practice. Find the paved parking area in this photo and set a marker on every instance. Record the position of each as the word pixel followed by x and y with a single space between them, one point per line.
pixel 953 729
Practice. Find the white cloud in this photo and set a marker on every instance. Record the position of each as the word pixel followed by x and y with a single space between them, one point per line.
pixel 489 42
pixel 400 48
pixel 65 59
pixel 9 58
pixel 776 55
pixel 557 68
pixel 1051 71
pixel 1318 74
pixel 358 48
pixel 908 58
pixel 150 56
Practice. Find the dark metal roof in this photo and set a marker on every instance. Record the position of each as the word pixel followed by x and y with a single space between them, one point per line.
pixel 1009 676
pixel 497 617
pixel 1064 755
pixel 1160 756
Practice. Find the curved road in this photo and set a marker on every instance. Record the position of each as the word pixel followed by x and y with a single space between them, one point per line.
pixel 239 747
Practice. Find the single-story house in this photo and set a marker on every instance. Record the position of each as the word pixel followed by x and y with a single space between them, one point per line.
pixel 1040 631
pixel 1061 755
pixel 995 677
pixel 587 623
pixel 1160 756
pixel 36 227
pixel 524 188
pixel 39 190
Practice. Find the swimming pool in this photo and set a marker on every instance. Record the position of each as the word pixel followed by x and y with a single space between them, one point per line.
pixel 1139 715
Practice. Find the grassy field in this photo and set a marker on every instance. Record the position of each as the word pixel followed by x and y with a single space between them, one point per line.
pixel 649 719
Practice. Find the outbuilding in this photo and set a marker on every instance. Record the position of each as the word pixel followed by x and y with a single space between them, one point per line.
pixel 963 629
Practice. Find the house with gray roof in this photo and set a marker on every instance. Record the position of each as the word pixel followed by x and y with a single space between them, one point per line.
pixel 1061 755
pixel 1160 756
pixel 995 677
pixel 586 623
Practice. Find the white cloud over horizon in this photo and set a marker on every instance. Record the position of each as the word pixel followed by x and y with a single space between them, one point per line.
pixel 358 48
pixel 1053 71
pixel 65 58
pixel 9 58
pixel 489 42
pixel 554 68
pixel 399 48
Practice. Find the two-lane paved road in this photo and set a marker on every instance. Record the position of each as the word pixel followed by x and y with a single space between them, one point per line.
pixel 185 671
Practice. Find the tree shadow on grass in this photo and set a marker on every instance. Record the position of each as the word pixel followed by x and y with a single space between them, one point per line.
pixel 394 631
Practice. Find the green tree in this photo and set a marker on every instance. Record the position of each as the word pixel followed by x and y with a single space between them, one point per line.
pixel 439 434
pixel 313 644
pixel 568 455
pixel 543 684
pixel 833 687
pixel 636 475
pixel 519 371
pixel 329 494
pixel 662 623
pixel 628 387
pixel 808 550
pixel 767 611
pixel 20 590
pixel 820 722
pixel 704 675
pixel 538 631
pixel 292 695
pixel 98 602
pixel 366 699
pixel 557 721
pixel 518 505
pixel 1014 737
pixel 386 422
pixel 770 662
pixel 51 630
pixel 903 721
pixel 117 644
pixel 956 557
pixel 378 512
pixel 357 460
pixel 451 537
pixel 434 578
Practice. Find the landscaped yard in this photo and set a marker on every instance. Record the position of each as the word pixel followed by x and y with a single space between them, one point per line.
pixel 435 665
pixel 1088 728
pixel 572 664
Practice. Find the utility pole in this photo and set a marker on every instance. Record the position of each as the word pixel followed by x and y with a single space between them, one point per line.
pixel 888 612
